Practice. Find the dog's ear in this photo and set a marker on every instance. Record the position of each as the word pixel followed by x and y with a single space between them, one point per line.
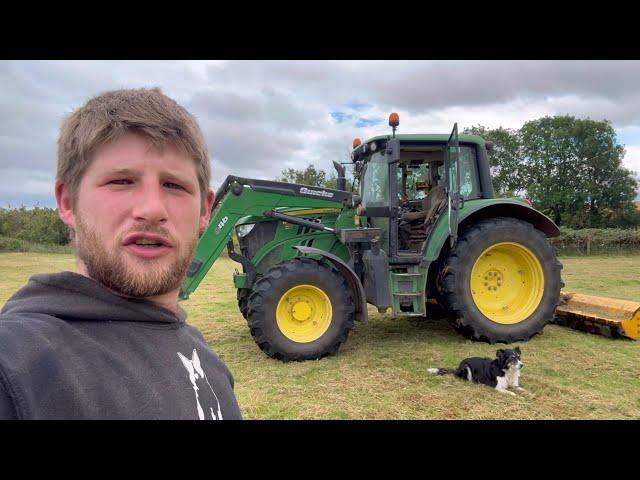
pixel 517 349
pixel 500 353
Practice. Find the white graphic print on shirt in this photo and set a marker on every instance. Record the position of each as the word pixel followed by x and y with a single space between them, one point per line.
pixel 205 396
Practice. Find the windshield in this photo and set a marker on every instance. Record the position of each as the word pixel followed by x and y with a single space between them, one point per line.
pixel 417 182
pixel 375 184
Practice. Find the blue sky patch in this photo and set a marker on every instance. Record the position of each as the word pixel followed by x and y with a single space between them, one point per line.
pixel 628 136
pixel 368 122
pixel 340 117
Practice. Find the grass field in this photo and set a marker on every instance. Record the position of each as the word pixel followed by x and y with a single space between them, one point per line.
pixel 380 372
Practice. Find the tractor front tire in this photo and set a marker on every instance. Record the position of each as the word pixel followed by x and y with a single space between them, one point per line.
pixel 502 281
pixel 243 299
pixel 300 310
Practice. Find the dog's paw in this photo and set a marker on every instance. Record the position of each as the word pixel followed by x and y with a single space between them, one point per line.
pixel 520 389
pixel 506 391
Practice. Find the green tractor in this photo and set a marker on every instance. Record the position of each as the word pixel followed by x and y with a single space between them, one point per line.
pixel 422 234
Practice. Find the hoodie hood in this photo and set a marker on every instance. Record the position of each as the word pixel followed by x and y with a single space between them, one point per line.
pixel 71 296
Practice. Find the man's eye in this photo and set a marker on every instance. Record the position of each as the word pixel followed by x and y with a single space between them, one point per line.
pixel 173 185
pixel 120 181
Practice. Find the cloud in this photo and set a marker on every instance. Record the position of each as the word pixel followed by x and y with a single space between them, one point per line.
pixel 358 106
pixel 260 117
pixel 631 159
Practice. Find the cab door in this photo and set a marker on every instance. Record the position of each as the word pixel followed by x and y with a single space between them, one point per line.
pixel 452 183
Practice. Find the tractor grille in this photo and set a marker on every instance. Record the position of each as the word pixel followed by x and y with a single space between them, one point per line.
pixel 262 233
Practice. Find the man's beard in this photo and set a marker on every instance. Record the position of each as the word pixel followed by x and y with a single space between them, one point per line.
pixel 153 277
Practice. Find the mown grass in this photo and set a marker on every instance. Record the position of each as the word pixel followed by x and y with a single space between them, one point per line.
pixel 380 372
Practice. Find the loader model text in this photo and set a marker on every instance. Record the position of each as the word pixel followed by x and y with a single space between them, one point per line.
pixel 221 224
pixel 318 193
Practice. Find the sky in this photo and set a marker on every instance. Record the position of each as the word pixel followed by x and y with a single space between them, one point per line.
pixel 261 117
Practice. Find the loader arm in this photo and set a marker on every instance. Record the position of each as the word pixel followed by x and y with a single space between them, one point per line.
pixel 238 197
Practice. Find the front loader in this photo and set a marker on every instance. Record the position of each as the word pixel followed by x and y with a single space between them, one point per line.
pixel 422 235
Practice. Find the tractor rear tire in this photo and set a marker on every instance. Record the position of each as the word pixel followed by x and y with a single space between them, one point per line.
pixel 300 310
pixel 502 281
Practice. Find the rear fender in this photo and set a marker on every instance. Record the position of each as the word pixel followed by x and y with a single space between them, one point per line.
pixel 476 210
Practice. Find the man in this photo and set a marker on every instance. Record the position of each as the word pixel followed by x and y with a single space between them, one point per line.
pixel 111 341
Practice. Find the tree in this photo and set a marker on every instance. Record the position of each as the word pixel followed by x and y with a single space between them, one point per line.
pixel 309 176
pixel 573 170
pixel 312 176
pixel 505 158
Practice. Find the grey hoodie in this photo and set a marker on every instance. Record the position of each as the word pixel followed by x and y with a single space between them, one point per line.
pixel 72 349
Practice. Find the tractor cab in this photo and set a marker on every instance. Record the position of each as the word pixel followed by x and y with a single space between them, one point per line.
pixel 406 182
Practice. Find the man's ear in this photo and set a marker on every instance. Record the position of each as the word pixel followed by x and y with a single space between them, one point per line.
pixel 205 214
pixel 65 204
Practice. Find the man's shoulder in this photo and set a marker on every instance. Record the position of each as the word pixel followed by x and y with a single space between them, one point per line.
pixel 17 329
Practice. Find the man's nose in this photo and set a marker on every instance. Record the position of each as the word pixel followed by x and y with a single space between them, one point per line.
pixel 149 204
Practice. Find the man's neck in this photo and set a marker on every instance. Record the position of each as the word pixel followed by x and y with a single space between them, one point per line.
pixel 167 300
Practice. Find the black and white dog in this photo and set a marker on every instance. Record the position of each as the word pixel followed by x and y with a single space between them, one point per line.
pixel 501 373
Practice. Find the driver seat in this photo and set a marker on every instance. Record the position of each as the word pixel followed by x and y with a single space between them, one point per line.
pixel 430 204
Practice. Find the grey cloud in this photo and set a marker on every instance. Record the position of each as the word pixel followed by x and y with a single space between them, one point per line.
pixel 260 117
pixel 426 86
pixel 27 155
pixel 223 106
pixel 248 146
pixel 433 86
pixel 266 105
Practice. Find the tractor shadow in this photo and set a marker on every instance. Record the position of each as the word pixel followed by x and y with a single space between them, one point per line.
pixel 386 330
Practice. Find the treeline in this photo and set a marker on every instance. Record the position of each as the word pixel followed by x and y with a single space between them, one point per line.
pixel 592 241
pixel 40 225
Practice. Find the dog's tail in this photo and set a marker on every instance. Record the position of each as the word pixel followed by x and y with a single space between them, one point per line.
pixel 442 371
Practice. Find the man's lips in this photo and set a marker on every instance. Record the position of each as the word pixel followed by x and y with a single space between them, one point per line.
pixel 162 245
pixel 147 252
pixel 149 237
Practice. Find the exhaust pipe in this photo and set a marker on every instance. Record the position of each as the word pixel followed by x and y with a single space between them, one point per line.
pixel 341 183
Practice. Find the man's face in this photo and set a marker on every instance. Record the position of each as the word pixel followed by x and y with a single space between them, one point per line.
pixel 137 217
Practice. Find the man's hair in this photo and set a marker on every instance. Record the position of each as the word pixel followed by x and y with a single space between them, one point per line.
pixel 109 116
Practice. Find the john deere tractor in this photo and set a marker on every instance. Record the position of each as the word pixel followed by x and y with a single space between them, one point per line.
pixel 422 234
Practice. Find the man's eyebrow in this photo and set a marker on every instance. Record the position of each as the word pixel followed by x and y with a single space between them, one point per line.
pixel 120 171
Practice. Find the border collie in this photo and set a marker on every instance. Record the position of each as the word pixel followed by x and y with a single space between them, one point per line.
pixel 501 373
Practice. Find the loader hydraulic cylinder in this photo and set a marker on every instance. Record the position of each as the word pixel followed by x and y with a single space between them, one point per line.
pixel 297 221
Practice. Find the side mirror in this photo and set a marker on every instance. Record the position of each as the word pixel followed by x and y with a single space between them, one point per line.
pixel 489 146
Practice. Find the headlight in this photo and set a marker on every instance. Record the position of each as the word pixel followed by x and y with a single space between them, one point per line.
pixel 243 230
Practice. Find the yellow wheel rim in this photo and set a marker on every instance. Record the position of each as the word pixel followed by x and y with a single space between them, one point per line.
pixel 304 313
pixel 507 283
